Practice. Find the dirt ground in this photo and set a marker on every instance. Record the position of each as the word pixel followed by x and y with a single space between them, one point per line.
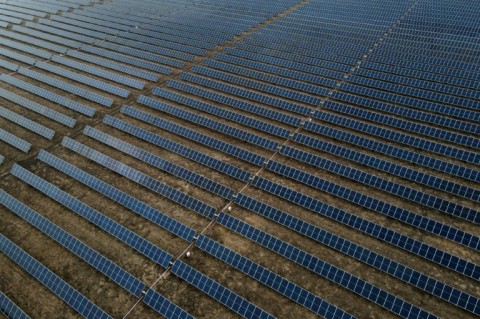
pixel 39 302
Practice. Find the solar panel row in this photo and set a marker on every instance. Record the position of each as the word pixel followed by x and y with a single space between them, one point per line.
pixel 110 226
pixel 58 286
pixel 82 250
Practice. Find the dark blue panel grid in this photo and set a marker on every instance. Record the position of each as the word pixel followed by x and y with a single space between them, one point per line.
pixel 89 255
pixel 63 290
pixel 10 309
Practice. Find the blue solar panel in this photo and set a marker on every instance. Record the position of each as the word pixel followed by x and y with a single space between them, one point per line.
pixel 85 252
pixel 164 307
pixel 215 290
pixel 35 107
pixel 83 79
pixel 248 94
pixel 62 33
pixel 413 102
pixel 101 73
pixel 277 80
pixel 406 126
pixel 141 54
pixel 117 67
pixel 49 37
pixel 26 48
pixel 260 86
pixel 208 123
pixel 369 257
pixel 424 117
pixel 14 141
pixel 160 163
pixel 328 271
pixel 222 112
pixel 235 103
pixel 194 136
pixel 284 63
pixel 40 43
pixel 402 138
pixel 142 179
pixel 383 148
pixel 120 197
pixel 8 65
pixel 179 39
pixel 95 217
pixel 381 206
pixel 88 95
pixel 56 98
pixel 26 123
pixel 10 309
pixel 128 60
pixel 409 244
pixel 177 148
pixel 271 279
pixel 17 56
pixel 63 290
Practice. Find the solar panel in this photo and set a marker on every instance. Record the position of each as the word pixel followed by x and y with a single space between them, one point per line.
pixel 160 163
pixel 412 102
pixel 23 10
pixel 95 217
pixel 208 123
pixel 35 107
pixel 33 41
pixel 383 233
pixel 114 66
pixel 218 292
pixel 192 39
pixel 240 67
pixel 64 34
pixel 14 141
pixel 438 120
pixel 7 20
pixel 401 138
pixel 381 206
pixel 284 63
pixel 153 48
pixel 85 252
pixel 17 56
pixel 51 38
pixel 163 306
pixel 1 159
pixel 413 157
pixel 235 103
pixel 26 48
pixel 248 94
pixel 328 271
pixel 194 136
pixel 271 279
pixel 158 58
pixel 16 14
pixel 10 309
pixel 103 86
pixel 223 113
pixel 260 86
pixel 26 123
pixel 68 103
pixel 101 73
pixel 142 179
pixel 177 148
pixel 369 257
pixel 175 45
pixel 8 65
pixel 405 126
pixel 62 23
pixel 63 290
pixel 91 96
pixel 129 60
